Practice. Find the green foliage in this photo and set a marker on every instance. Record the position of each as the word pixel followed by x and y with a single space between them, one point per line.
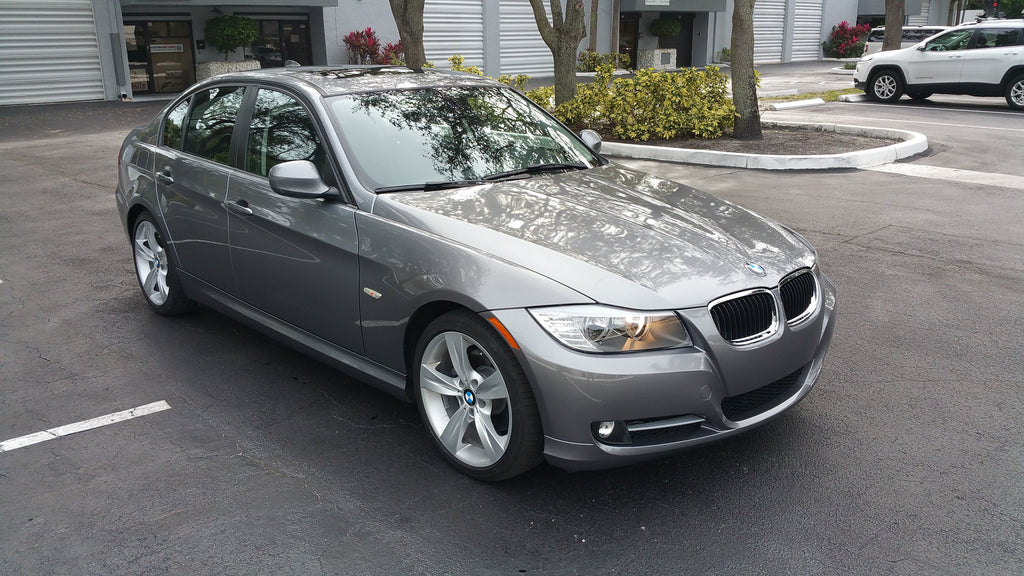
pixel 724 55
pixel 1012 8
pixel 458 64
pixel 650 105
pixel 666 26
pixel 544 96
pixel 588 60
pixel 227 32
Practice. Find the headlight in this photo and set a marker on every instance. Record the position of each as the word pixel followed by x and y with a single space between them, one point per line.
pixel 593 328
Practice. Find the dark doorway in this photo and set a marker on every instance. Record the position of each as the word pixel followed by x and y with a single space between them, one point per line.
pixel 629 35
pixel 281 40
pixel 683 42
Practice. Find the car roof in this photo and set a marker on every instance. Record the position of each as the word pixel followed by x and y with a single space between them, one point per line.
pixel 993 23
pixel 337 80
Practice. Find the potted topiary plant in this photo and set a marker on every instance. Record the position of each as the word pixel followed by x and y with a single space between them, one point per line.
pixel 666 26
pixel 227 33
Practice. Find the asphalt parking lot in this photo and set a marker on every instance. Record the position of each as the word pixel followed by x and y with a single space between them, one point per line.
pixel 906 458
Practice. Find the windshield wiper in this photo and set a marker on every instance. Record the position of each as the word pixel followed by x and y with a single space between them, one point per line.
pixel 427 186
pixel 536 169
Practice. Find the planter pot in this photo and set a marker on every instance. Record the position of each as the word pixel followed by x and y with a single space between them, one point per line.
pixel 206 70
pixel 660 59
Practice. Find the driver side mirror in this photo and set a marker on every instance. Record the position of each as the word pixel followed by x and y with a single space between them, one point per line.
pixel 300 179
pixel 592 139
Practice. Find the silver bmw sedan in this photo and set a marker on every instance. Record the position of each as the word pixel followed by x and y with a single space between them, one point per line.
pixel 438 235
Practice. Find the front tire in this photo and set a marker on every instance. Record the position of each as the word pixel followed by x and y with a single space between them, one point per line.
pixel 1015 93
pixel 156 270
pixel 475 400
pixel 886 86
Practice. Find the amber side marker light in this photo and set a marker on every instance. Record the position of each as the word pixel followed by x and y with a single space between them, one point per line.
pixel 504 332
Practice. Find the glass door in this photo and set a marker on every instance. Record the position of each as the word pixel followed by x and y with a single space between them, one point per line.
pixel 159 55
pixel 280 41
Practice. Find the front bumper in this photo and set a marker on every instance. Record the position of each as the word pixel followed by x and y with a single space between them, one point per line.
pixel 672 400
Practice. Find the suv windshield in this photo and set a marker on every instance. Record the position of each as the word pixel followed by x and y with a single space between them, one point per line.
pixel 449 134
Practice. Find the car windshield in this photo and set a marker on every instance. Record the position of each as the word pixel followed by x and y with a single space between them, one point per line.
pixel 404 138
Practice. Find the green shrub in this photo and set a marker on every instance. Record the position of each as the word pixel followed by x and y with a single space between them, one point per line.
pixel 588 60
pixel 724 55
pixel 227 32
pixel 544 96
pixel 690 103
pixel 667 27
pixel 457 64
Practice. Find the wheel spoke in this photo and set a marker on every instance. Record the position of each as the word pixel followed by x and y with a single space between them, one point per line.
pixel 439 383
pixel 457 352
pixel 151 280
pixel 451 437
pixel 492 388
pixel 142 250
pixel 489 438
pixel 151 238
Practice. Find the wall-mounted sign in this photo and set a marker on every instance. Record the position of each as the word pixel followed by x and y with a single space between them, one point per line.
pixel 657 2
pixel 164 48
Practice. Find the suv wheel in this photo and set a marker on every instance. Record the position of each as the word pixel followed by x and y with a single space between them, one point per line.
pixel 1015 93
pixel 886 86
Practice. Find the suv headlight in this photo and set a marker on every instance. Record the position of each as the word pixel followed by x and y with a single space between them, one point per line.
pixel 594 328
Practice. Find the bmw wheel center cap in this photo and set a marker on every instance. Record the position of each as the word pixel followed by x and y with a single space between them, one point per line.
pixel 470 397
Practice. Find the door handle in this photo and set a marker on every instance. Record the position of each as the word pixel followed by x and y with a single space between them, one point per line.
pixel 164 176
pixel 240 207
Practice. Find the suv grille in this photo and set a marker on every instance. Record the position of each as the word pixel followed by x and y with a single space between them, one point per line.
pixel 745 318
pixel 799 296
pixel 748 404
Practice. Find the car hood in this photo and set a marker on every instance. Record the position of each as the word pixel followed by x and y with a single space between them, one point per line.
pixel 619 236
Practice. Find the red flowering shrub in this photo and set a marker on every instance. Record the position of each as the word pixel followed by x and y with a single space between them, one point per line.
pixel 846 41
pixel 363 46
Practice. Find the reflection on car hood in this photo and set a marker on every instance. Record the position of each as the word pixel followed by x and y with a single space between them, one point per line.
pixel 619 236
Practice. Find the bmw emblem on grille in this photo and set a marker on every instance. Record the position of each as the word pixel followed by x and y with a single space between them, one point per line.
pixel 755 268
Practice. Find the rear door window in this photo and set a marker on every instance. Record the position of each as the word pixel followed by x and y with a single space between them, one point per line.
pixel 212 121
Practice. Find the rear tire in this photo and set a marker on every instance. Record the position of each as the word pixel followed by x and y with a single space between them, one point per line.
pixel 1015 93
pixel 156 270
pixel 885 86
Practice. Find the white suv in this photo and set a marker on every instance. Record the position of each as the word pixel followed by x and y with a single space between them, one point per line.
pixel 979 59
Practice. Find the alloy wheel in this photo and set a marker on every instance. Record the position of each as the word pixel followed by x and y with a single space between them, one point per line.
pixel 465 399
pixel 151 263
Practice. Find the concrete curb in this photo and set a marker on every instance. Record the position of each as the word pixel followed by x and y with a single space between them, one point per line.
pixel 912 143
pixel 853 97
pixel 793 104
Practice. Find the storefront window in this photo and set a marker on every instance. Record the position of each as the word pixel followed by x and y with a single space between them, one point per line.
pixel 159 56
pixel 280 41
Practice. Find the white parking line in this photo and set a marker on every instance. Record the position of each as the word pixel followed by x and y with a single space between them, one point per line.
pixel 952 174
pixel 21 442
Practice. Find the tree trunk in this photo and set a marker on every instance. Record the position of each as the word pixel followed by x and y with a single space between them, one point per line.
pixel 408 15
pixel 562 36
pixel 592 46
pixel 894 10
pixel 744 82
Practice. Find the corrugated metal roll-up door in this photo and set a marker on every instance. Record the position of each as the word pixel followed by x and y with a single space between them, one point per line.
pixel 523 51
pixel 49 52
pixel 769 30
pixel 807 30
pixel 922 18
pixel 453 27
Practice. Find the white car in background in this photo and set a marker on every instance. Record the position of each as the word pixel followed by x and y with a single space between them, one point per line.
pixel 911 35
pixel 977 59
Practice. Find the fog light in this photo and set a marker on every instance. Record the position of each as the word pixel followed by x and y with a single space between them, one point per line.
pixel 605 429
